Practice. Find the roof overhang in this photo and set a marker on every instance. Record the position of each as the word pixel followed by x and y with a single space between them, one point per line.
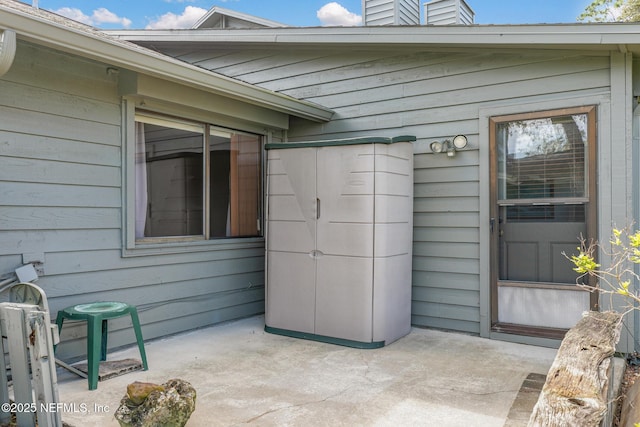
pixel 610 36
pixel 38 27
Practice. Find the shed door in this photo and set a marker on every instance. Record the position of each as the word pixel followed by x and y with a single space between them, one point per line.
pixel 291 270
pixel 344 288
pixel 543 201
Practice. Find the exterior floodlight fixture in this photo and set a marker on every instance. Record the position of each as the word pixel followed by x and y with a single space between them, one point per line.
pixel 449 146
pixel 436 146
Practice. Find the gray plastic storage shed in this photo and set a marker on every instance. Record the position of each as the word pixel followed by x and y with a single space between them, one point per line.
pixel 339 240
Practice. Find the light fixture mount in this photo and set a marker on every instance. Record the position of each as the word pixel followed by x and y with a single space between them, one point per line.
pixel 449 146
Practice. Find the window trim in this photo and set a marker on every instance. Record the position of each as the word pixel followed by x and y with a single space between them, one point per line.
pixel 178 244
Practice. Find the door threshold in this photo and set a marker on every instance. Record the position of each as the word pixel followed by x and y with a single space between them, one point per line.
pixel 531 331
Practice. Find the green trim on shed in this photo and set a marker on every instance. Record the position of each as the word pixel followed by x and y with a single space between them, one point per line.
pixel 348 141
pixel 326 339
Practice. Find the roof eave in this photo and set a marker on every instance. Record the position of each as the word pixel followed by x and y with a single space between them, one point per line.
pixel 114 52
pixel 587 36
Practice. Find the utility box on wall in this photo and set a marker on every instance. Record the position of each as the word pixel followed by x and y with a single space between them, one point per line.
pixel 339 240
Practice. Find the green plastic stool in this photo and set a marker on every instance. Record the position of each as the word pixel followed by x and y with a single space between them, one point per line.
pixel 96 315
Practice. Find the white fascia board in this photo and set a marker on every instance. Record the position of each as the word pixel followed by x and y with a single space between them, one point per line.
pixel 101 47
pixel 507 36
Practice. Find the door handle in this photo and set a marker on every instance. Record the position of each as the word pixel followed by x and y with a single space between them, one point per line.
pixel 492 222
pixel 317 208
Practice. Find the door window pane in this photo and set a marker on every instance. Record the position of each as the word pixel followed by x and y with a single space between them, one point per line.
pixel 552 213
pixel 542 158
pixel 542 194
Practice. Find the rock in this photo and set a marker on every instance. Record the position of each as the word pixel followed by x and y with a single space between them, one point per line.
pixel 170 404
pixel 139 391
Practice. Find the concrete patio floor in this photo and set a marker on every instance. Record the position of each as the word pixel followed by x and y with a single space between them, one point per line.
pixel 245 376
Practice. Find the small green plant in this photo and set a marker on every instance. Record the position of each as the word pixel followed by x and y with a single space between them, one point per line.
pixel 623 253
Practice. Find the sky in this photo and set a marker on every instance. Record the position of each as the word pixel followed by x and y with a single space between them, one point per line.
pixel 165 14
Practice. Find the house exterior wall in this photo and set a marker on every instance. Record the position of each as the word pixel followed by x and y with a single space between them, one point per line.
pixel 63 172
pixel 435 95
pixel 63 199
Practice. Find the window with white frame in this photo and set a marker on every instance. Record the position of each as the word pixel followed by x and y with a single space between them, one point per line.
pixel 195 180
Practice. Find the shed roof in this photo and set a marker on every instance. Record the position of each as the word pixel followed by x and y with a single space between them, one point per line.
pixel 57 32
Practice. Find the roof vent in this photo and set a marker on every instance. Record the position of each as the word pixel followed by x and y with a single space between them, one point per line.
pixel 448 12
pixel 391 12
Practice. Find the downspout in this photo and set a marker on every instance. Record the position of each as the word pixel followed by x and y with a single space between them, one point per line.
pixel 7 50
pixel 635 129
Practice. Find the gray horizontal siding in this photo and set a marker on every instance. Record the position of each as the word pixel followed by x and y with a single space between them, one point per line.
pixel 26 144
pixel 35 194
pixel 447 74
pixel 47 218
pixel 44 171
pixel 433 95
pixel 25 241
pixel 61 196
